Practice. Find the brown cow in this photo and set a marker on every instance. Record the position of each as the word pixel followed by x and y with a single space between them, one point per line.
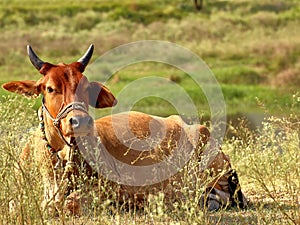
pixel 126 143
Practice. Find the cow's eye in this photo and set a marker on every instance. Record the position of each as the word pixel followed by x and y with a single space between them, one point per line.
pixel 50 89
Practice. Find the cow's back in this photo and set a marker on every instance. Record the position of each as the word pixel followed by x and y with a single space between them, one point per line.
pixel 140 139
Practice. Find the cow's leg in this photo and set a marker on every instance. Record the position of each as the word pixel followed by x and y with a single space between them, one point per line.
pixel 49 196
pixel 53 192
pixel 57 196
pixel 75 202
pixel 236 196
pixel 225 189
pixel 224 193
pixel 214 199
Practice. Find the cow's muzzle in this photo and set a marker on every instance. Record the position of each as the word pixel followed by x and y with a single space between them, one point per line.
pixel 79 124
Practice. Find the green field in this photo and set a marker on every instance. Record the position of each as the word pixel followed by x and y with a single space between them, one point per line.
pixel 251 46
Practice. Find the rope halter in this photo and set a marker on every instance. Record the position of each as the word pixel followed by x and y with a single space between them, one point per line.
pixel 62 114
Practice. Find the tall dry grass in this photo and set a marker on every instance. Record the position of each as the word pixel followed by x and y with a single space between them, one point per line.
pixel 267 161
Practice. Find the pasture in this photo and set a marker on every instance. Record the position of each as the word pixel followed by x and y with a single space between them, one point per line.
pixel 253 49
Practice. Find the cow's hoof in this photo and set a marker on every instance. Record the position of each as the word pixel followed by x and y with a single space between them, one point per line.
pixel 213 205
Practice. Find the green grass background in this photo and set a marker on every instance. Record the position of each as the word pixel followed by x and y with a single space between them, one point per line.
pixel 252 47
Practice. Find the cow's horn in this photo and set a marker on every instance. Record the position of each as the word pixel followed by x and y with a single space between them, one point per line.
pixel 84 60
pixel 35 60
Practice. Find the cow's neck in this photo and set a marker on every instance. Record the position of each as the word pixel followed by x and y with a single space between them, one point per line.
pixel 50 132
pixel 52 135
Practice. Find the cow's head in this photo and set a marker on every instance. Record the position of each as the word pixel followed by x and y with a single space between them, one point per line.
pixel 61 86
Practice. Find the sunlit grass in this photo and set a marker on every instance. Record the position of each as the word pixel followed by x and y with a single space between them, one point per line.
pixel 266 160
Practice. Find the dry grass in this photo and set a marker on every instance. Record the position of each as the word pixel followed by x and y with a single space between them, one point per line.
pixel 266 160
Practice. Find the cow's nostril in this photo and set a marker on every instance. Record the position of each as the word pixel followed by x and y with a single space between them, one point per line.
pixel 81 122
pixel 90 121
pixel 74 121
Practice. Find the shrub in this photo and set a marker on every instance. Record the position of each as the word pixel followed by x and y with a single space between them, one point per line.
pixel 267 160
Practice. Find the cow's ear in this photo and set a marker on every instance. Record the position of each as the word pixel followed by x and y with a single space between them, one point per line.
pixel 27 88
pixel 100 96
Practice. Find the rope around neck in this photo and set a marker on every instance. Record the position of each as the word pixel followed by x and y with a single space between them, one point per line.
pixel 62 114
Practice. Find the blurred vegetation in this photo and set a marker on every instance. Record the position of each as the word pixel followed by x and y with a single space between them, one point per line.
pixel 253 47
